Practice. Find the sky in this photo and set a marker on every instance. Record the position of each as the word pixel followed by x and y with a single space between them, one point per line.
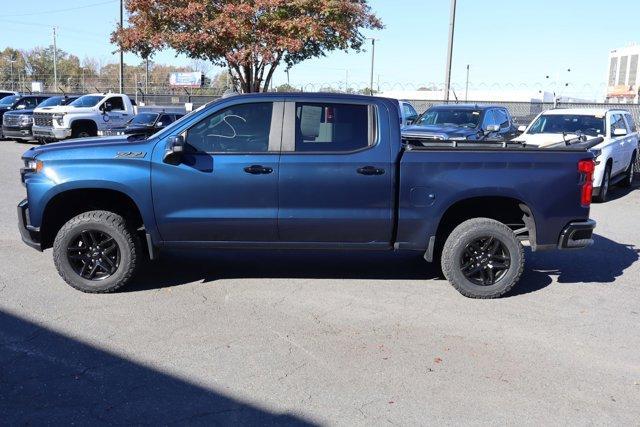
pixel 508 44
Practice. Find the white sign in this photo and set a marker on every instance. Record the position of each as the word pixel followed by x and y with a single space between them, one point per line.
pixel 37 87
pixel 186 79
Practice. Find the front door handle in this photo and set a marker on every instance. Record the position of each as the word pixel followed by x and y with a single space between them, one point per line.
pixel 258 170
pixel 370 170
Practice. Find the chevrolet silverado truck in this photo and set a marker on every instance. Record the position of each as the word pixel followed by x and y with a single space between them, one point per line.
pixel 17 124
pixel 302 171
pixel 83 117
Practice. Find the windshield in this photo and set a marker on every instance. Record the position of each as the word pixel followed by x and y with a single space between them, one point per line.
pixel 9 100
pixel 87 101
pixel 50 102
pixel 450 117
pixel 144 119
pixel 568 123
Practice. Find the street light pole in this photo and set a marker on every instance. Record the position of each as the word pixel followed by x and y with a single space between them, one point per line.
pixel 452 26
pixel 373 61
pixel 55 62
pixel 121 52
pixel 466 92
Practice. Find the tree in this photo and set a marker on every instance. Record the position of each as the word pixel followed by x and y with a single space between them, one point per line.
pixel 251 37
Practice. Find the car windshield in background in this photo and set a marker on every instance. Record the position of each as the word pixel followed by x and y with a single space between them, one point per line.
pixel 87 101
pixel 144 119
pixel 50 102
pixel 569 123
pixel 450 117
pixel 9 100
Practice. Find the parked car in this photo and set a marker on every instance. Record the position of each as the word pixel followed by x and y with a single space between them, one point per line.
pixel 84 117
pixel 19 103
pixel 462 122
pixel 5 93
pixel 17 124
pixel 293 171
pixel 409 114
pixel 145 124
pixel 615 156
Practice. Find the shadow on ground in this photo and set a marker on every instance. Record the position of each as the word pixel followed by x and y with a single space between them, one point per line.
pixel 49 379
pixel 602 263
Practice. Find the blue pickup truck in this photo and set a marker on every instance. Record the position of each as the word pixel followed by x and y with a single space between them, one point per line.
pixel 302 171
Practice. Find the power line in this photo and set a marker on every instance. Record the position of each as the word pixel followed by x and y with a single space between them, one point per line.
pixel 46 12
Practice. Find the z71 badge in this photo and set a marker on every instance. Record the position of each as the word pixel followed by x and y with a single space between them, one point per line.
pixel 131 154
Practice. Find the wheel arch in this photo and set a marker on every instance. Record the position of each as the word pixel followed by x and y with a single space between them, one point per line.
pixel 66 204
pixel 511 211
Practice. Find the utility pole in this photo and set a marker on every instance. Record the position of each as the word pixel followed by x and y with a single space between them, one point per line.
pixel 373 61
pixel 11 61
pixel 121 52
pixel 452 26
pixel 55 61
pixel 466 92
pixel 146 75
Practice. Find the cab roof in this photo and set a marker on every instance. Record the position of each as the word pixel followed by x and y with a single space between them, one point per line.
pixel 584 111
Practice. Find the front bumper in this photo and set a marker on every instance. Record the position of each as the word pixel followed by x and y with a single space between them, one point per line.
pixel 30 235
pixel 50 132
pixel 577 235
pixel 16 133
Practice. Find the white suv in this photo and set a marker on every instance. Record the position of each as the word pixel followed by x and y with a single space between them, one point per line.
pixel 616 155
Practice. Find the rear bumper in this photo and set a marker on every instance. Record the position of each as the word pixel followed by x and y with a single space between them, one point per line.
pixel 577 235
pixel 30 235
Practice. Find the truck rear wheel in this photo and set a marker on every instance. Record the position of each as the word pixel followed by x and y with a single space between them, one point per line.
pixel 482 258
pixel 95 252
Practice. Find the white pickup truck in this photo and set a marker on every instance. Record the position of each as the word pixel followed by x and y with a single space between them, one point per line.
pixel 615 156
pixel 83 118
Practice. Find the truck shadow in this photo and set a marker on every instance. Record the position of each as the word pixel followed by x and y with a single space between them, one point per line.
pixel 51 379
pixel 602 263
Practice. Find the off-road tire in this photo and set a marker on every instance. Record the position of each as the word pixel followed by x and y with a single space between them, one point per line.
pixel 468 232
pixel 605 186
pixel 630 174
pixel 106 222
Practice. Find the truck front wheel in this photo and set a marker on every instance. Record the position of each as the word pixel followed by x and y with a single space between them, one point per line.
pixel 95 252
pixel 84 130
pixel 482 258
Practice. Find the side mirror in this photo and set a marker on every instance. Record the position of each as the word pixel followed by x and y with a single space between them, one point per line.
pixel 619 132
pixel 21 107
pixel 522 128
pixel 174 150
pixel 159 124
pixel 106 107
pixel 492 128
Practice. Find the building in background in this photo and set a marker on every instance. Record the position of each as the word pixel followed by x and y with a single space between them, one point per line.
pixel 623 80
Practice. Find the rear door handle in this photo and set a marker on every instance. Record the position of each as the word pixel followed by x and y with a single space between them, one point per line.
pixel 258 170
pixel 370 170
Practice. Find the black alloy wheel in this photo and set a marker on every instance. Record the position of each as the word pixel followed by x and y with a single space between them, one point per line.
pixel 93 255
pixel 485 261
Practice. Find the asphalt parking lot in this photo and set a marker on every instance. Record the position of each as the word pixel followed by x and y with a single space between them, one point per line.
pixel 327 339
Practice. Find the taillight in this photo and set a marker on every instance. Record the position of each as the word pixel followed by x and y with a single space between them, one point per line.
pixel 586 167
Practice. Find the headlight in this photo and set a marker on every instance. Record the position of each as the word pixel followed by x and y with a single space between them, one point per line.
pixel 58 118
pixel 25 120
pixel 33 165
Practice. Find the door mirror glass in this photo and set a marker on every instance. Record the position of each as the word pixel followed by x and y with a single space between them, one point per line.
pixel 522 128
pixel 619 132
pixel 174 150
pixel 159 124
pixel 492 128
pixel 21 107
pixel 106 107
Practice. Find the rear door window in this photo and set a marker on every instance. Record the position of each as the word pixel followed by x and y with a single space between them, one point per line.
pixel 617 122
pixel 328 127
